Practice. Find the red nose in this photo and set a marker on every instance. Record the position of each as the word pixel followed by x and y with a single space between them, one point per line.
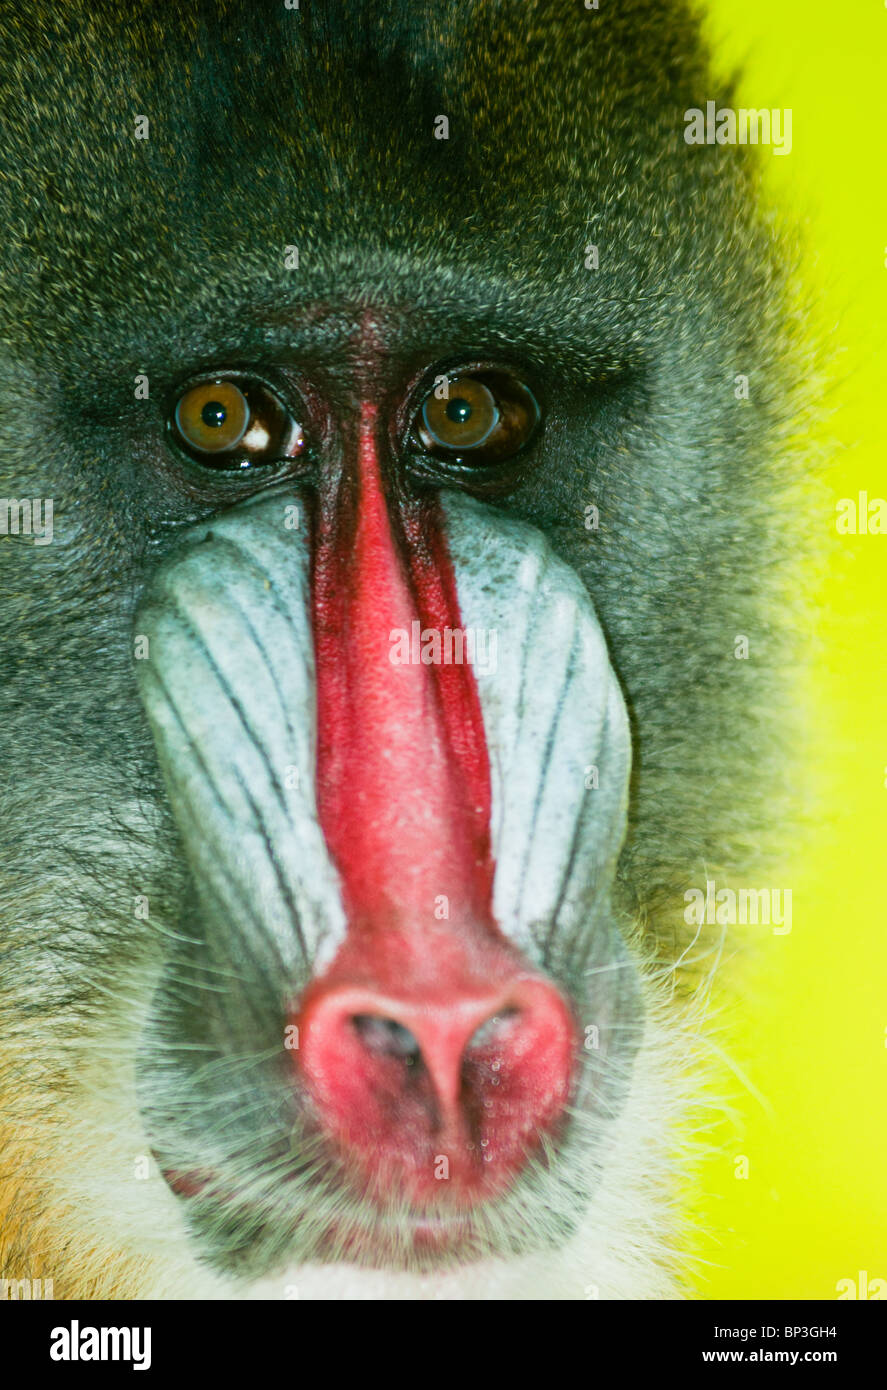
pixel 434 1055
pixel 435 1087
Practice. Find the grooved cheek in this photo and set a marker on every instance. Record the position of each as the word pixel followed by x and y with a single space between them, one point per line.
pixel 403 780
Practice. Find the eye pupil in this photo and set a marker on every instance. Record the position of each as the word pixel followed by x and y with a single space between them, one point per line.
pixel 458 410
pixel 214 414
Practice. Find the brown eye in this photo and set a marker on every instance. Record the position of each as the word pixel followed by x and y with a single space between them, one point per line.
pixel 227 424
pixel 212 417
pixel 462 418
pixel 477 419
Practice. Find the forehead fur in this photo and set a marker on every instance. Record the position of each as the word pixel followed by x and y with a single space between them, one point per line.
pixel 271 127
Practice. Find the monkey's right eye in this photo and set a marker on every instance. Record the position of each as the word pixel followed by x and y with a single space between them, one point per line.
pixel 234 424
pixel 477 418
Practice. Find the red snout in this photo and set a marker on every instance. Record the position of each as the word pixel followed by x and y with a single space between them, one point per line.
pixel 434 1054
pixel 438 1084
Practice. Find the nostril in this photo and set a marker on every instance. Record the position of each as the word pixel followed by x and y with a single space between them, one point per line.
pixel 387 1038
pixel 494 1030
pixel 402 1078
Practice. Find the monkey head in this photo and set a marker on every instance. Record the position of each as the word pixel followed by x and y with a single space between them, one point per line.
pixel 374 702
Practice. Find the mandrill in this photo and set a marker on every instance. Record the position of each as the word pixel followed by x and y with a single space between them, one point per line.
pixel 374 701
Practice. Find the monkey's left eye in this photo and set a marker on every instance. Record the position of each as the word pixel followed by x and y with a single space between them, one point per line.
pixel 477 418
pixel 235 424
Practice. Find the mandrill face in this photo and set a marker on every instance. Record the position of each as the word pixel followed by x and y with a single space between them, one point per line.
pixel 377 681
pixel 399 872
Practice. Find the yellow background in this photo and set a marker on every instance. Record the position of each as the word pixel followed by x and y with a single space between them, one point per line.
pixel 810 1031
